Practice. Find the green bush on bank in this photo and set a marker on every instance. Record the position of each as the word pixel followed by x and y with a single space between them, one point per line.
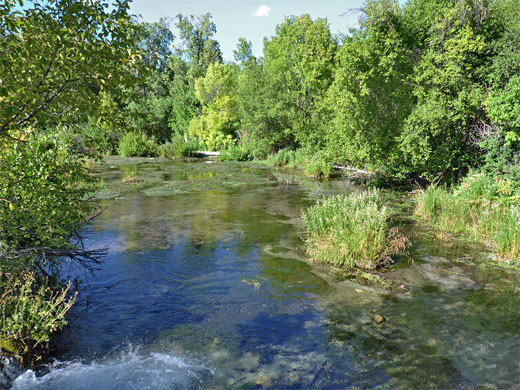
pixel 486 209
pixel 137 145
pixel 352 231
pixel 238 152
pixel 43 188
pixel 30 311
pixel 177 148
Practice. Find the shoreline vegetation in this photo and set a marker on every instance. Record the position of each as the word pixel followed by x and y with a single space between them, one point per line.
pixel 482 208
pixel 352 232
pixel 424 94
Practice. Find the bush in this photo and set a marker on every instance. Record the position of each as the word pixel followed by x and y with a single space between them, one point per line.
pixel 236 153
pixel 30 311
pixel 43 188
pixel 137 145
pixel 177 148
pixel 317 168
pixel 98 138
pixel 352 231
pixel 42 193
pixel 485 208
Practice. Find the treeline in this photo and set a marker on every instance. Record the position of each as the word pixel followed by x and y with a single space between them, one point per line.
pixel 428 90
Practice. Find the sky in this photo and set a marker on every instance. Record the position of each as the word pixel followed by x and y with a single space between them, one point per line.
pixel 251 19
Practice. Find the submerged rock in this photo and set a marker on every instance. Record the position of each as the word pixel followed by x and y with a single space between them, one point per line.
pixel 378 318
pixel 9 370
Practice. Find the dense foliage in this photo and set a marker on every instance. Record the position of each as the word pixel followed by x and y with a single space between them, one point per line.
pixel 424 91
pixel 62 62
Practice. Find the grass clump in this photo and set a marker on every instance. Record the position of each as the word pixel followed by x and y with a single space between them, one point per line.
pixel 240 152
pixel 178 147
pixel 484 208
pixel 286 158
pixel 352 231
pixel 312 166
pixel 317 168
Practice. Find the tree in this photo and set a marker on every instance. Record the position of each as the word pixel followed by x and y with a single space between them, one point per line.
pixel 298 63
pixel 184 105
pixel 199 49
pixel 244 52
pixel 148 105
pixel 370 97
pixel 156 40
pixel 58 58
pixel 448 93
pixel 57 55
pixel 500 136
pixel 217 124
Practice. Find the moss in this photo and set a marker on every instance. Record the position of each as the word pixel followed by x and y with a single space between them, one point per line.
pixel 7 345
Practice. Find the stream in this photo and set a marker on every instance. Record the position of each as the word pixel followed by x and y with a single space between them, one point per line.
pixel 206 285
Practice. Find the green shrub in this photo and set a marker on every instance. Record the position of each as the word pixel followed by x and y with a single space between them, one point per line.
pixel 177 148
pixel 42 192
pixel 317 168
pixel 30 311
pixel 236 153
pixel 352 231
pixel 98 138
pixel 137 145
pixel 43 188
pixel 483 207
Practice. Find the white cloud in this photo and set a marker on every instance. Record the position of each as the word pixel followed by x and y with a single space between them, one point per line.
pixel 263 10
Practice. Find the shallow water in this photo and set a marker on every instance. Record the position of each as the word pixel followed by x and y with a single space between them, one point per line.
pixel 206 285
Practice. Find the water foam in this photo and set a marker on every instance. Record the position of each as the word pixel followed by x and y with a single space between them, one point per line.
pixel 131 370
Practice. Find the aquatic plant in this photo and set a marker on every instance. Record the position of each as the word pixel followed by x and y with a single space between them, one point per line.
pixel 484 208
pixel 285 158
pixel 317 168
pixel 352 231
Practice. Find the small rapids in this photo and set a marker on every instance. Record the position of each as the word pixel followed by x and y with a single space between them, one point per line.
pixel 130 370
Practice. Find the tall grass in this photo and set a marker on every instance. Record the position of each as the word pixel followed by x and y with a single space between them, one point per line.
pixel 238 152
pixel 312 166
pixel 352 231
pixel 484 208
pixel 178 147
pixel 285 158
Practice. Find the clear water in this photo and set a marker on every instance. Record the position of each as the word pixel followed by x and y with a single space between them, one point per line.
pixel 206 286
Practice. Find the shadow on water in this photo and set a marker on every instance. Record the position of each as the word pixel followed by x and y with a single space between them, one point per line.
pixel 206 285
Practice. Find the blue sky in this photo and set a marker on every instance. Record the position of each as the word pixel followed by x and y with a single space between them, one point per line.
pixel 236 18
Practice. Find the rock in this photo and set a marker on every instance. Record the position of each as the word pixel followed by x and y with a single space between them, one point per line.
pixel 250 362
pixel 378 318
pixel 9 370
